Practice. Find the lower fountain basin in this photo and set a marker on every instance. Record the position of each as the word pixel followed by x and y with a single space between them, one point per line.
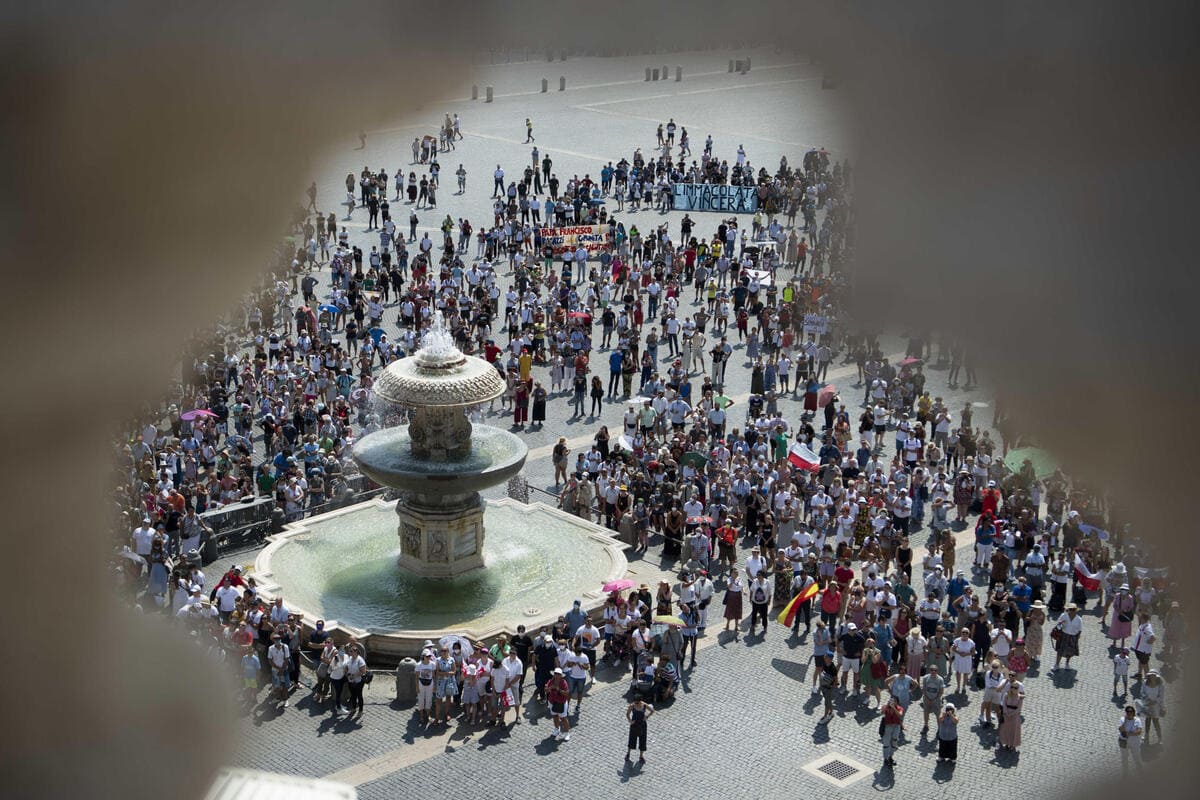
pixel 343 567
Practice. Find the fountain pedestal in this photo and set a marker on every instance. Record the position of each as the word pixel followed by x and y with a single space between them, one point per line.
pixel 440 540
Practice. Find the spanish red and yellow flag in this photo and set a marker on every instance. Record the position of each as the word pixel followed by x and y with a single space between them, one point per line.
pixel 788 615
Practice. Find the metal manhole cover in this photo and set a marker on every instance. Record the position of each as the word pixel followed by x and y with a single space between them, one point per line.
pixel 838 769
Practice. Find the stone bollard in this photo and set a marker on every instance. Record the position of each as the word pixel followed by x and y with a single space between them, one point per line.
pixel 678 74
pixel 747 65
pixel 731 65
pixel 739 65
pixel 406 681
pixel 666 72
pixel 489 94
pixel 562 83
pixel 475 91
pixel 654 72
pixel 545 85
pixel 647 73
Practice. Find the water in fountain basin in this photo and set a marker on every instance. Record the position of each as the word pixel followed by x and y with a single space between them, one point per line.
pixel 346 569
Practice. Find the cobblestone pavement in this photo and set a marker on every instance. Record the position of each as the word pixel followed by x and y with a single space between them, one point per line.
pixel 744 723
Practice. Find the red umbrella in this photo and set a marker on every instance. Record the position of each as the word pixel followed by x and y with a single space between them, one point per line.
pixel 705 520
pixel 580 315
pixel 826 395
pixel 908 362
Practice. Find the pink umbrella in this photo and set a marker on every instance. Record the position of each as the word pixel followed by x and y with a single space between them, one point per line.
pixel 618 585
pixel 196 413
pixel 826 395
pixel 908 362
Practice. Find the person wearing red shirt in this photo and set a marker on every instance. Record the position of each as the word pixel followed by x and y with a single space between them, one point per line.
pixel 831 604
pixel 843 575
pixel 491 352
pixel 893 725
pixel 990 500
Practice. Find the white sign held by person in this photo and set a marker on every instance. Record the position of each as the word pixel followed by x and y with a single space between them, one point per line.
pixel 594 238
pixel 816 323
pixel 715 197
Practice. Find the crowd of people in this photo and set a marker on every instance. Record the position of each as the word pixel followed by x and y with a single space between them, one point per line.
pixel 827 502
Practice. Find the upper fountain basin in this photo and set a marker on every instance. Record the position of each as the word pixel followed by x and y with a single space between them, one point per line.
pixel 386 458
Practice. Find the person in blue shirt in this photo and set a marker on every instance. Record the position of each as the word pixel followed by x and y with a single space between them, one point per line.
pixel 575 618
pixel 829 453
pixel 615 361
pixel 863 455
pixel 955 587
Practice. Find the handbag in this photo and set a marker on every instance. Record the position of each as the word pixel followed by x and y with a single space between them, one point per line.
pixel 370 676
pixel 881 727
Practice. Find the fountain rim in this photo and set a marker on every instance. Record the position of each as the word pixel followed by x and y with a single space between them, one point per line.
pixel 394 644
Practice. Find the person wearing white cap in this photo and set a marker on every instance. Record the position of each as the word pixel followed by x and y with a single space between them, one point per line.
pixel 947 734
pixel 558 695
pixel 425 671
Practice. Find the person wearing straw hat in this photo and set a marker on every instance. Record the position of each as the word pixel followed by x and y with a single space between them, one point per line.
pixel 1153 690
pixel 1123 606
pixel 1034 622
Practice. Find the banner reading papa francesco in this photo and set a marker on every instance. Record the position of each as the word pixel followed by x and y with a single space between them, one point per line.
pixel 594 238
pixel 715 197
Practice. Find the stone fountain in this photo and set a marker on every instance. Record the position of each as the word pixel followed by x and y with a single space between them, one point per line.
pixel 440 461
pixel 440 574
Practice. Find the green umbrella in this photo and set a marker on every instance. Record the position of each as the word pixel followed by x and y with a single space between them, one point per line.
pixel 1043 462
pixel 694 459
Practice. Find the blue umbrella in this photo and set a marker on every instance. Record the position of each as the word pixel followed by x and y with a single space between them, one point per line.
pixel 375 334
pixel 332 309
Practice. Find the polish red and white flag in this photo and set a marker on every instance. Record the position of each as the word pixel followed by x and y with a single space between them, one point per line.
pixel 801 457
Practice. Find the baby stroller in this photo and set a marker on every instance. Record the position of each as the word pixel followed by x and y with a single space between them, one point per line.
pixel 617 648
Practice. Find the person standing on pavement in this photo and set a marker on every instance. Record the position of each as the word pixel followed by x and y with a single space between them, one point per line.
pixel 760 601
pixel 425 671
pixel 558 695
pixel 893 727
pixel 733 601
pixel 507 679
pixel 1011 699
pixel 1129 738
pixel 636 714
pixel 933 686
pixel 947 734
pixel 356 673
pixel 1143 645
pixel 1068 627
pixel 827 678
pixel 337 678
pixel 528 130
pixel 447 685
pixel 280 658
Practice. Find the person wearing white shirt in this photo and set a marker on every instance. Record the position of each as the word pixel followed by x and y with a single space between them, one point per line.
pixel 755 563
pixel 1129 733
pixel 226 596
pixel 507 680
pixel 1143 645
pixel 1069 627
pixel 356 672
pixel 280 658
